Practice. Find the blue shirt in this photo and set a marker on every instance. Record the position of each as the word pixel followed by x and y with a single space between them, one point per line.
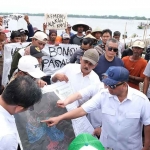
pixel 104 64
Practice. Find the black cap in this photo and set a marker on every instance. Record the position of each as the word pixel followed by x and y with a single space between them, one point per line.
pixel 15 34
pixel 36 52
pixel 22 31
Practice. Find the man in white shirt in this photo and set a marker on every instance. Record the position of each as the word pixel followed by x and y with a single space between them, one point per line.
pixel 18 96
pixel 124 111
pixel 80 76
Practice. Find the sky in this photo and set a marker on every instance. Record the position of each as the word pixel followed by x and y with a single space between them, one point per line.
pixel 82 7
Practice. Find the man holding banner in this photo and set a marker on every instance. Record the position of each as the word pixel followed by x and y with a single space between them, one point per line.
pixel 39 39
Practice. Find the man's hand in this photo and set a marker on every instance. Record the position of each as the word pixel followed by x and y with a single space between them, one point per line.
pixel 61 103
pixel 26 18
pixel 41 83
pixel 44 27
pixel 62 77
pixel 97 131
pixel 51 121
pixel 57 44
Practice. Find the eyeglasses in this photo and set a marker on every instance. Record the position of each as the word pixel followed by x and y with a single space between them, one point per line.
pixel 114 86
pixel 114 49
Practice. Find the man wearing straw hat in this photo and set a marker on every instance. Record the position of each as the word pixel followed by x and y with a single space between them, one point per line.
pixel 80 27
pixel 86 43
pixel 97 33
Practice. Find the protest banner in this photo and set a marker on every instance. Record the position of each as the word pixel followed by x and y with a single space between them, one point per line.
pixel 56 21
pixel 35 135
pixel 57 56
pixel 9 50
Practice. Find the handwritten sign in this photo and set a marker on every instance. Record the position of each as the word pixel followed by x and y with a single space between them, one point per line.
pixel 9 50
pixel 57 56
pixel 56 21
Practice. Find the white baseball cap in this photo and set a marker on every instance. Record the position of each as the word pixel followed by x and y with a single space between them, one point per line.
pixel 41 36
pixel 30 65
pixel 65 36
pixel 138 43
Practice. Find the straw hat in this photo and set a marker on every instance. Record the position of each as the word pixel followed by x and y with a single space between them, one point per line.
pixel 90 36
pixel 75 27
pixel 97 29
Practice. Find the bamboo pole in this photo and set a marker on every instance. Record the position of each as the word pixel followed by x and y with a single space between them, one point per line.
pixel 125 33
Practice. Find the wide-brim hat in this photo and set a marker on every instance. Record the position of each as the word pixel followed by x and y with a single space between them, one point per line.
pixel 97 29
pixel 90 37
pixel 85 26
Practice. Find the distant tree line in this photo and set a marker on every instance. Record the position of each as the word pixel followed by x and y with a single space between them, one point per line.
pixel 89 16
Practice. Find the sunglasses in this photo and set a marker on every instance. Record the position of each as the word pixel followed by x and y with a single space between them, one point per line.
pixel 114 49
pixel 114 86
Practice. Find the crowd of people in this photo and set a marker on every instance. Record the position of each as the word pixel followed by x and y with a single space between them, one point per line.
pixel 104 73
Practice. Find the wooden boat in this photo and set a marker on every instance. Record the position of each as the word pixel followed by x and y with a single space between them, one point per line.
pixel 144 25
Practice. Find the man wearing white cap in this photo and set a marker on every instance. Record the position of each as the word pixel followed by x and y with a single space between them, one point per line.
pixel 135 64
pixel 39 39
pixel 80 27
pixel 65 38
pixel 29 65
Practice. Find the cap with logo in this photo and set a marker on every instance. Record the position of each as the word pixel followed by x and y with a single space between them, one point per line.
pixel 41 36
pixel 35 52
pixel 138 43
pixel 85 142
pixel 65 36
pixel 115 74
pixel 91 55
pixel 30 65
pixel 22 31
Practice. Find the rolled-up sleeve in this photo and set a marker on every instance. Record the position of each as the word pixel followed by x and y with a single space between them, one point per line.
pixel 146 113
pixel 93 104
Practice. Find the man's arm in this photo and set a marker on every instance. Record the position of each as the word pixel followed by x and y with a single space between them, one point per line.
pixel 69 100
pixel 135 79
pixel 30 28
pixel 147 137
pixel 146 85
pixel 14 64
pixel 78 112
